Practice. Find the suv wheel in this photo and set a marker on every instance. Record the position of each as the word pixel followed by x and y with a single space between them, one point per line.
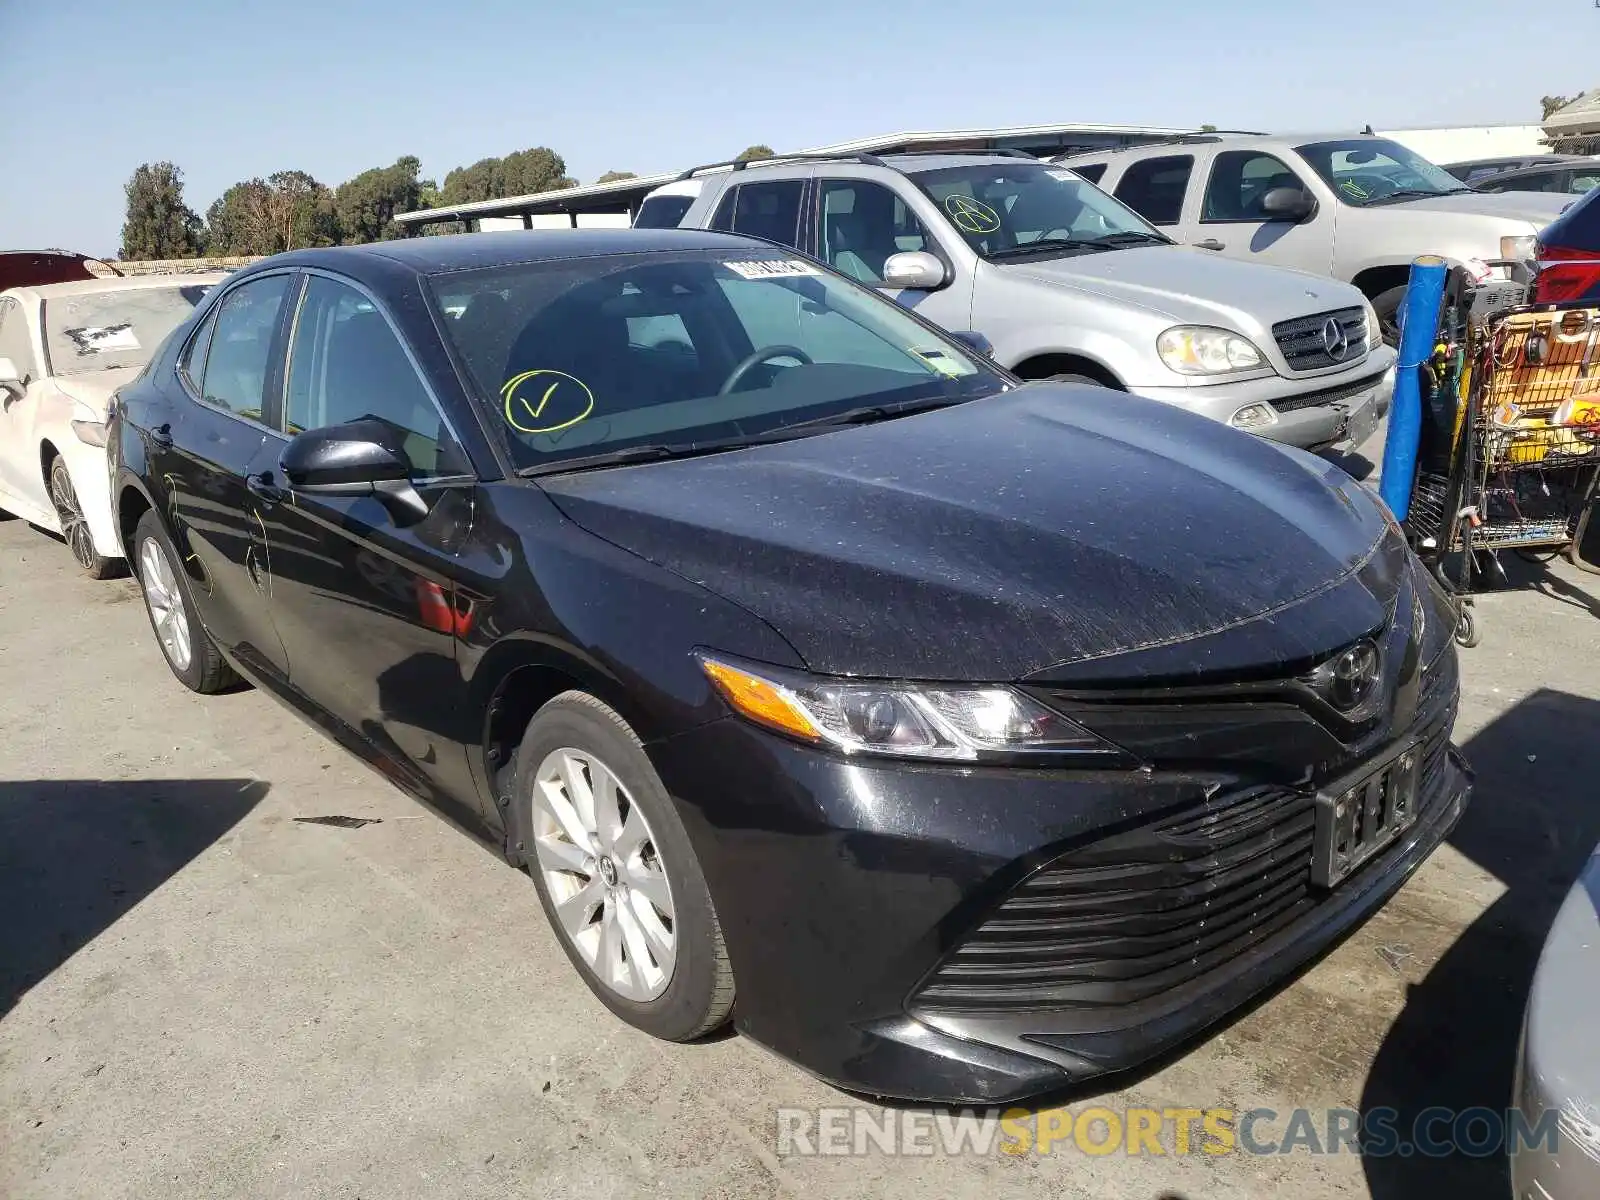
pixel 1387 306
pixel 75 526
pixel 169 602
pixel 616 875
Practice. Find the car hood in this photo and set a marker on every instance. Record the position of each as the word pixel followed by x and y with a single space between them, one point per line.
pixel 94 388
pixel 1195 286
pixel 1047 525
pixel 1537 208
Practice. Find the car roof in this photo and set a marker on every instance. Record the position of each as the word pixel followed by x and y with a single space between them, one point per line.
pixel 124 283
pixel 467 251
pixel 1543 168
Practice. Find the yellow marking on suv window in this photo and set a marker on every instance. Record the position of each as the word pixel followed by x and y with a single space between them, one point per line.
pixel 567 396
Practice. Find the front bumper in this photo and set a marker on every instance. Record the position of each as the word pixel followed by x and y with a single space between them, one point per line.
pixel 842 887
pixel 1313 413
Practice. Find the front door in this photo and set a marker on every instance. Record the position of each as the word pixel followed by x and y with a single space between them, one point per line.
pixel 22 490
pixel 205 458
pixel 860 224
pixel 1229 219
pixel 366 606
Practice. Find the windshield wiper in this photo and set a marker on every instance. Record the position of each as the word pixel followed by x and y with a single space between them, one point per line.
pixel 853 416
pixel 608 458
pixel 1129 237
pixel 1047 244
pixel 1416 194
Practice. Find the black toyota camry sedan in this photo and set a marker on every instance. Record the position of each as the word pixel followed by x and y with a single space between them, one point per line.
pixel 959 738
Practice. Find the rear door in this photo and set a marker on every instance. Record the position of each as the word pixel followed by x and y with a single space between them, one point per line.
pixel 205 457
pixel 1155 188
pixel 367 607
pixel 1224 212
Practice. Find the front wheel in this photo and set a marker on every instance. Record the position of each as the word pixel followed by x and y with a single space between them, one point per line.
pixel 616 875
pixel 1387 305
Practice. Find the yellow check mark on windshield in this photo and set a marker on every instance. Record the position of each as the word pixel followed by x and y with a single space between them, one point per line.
pixel 543 400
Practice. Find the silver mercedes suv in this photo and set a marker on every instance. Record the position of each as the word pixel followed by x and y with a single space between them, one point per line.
pixel 1066 282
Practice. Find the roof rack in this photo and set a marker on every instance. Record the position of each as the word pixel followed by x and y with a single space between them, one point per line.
pixel 1179 139
pixel 739 164
pixel 1002 152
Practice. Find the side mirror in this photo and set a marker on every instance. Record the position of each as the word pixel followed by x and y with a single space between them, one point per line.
pixel 974 341
pixel 361 458
pixel 1288 204
pixel 11 378
pixel 914 269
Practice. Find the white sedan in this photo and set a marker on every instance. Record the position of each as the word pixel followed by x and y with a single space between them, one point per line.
pixel 65 348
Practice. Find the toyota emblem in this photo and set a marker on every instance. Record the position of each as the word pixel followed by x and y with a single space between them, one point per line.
pixel 1334 339
pixel 1352 676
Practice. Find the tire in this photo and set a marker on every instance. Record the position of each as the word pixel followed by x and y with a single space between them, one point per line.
pixel 1088 379
pixel 1387 306
pixel 1467 632
pixel 190 653
pixel 75 526
pixel 587 887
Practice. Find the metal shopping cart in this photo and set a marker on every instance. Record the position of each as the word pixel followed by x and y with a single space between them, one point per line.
pixel 1514 426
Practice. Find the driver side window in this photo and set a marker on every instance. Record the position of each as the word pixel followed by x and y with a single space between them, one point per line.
pixel 862 224
pixel 347 364
pixel 1240 179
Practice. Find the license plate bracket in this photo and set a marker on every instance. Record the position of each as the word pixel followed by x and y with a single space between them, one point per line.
pixel 1364 813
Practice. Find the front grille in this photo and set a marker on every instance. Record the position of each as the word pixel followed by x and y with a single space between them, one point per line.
pixel 1140 912
pixel 1305 347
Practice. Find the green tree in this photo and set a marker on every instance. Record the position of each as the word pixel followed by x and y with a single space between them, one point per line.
pixel 1208 129
pixel 614 176
pixel 365 206
pixel 539 169
pixel 289 210
pixel 756 151
pixel 158 224
pixel 1552 104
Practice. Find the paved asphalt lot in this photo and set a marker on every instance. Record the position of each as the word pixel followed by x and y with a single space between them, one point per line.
pixel 201 996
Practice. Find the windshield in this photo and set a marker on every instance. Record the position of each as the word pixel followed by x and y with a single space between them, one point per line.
pixel 1004 209
pixel 96 331
pixel 678 352
pixel 1366 171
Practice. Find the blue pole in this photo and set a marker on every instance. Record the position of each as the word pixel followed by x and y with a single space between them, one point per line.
pixel 1419 325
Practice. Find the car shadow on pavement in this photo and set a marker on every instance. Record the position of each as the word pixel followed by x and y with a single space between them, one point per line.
pixel 1533 822
pixel 75 855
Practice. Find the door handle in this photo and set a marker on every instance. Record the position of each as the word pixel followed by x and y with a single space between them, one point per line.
pixel 263 489
pixel 1210 244
pixel 161 437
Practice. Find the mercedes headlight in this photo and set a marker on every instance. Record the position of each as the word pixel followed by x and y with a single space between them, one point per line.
pixel 1374 330
pixel 903 720
pixel 1201 350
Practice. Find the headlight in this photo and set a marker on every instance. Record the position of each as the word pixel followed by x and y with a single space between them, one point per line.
pixel 1374 331
pixel 1520 249
pixel 1199 350
pixel 88 426
pixel 899 719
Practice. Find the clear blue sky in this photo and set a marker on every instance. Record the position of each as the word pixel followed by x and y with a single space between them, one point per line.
pixel 229 90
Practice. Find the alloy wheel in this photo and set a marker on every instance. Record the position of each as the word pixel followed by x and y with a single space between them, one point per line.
pixel 165 602
pixel 74 527
pixel 604 875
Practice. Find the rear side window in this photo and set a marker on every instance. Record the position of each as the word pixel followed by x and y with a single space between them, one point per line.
pixel 662 212
pixel 1093 172
pixel 764 210
pixel 234 373
pixel 1154 187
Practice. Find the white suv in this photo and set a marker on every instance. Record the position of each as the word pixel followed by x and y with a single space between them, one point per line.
pixel 1357 208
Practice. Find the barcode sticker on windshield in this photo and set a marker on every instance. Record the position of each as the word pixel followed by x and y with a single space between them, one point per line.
pixel 1062 174
pixel 771 268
